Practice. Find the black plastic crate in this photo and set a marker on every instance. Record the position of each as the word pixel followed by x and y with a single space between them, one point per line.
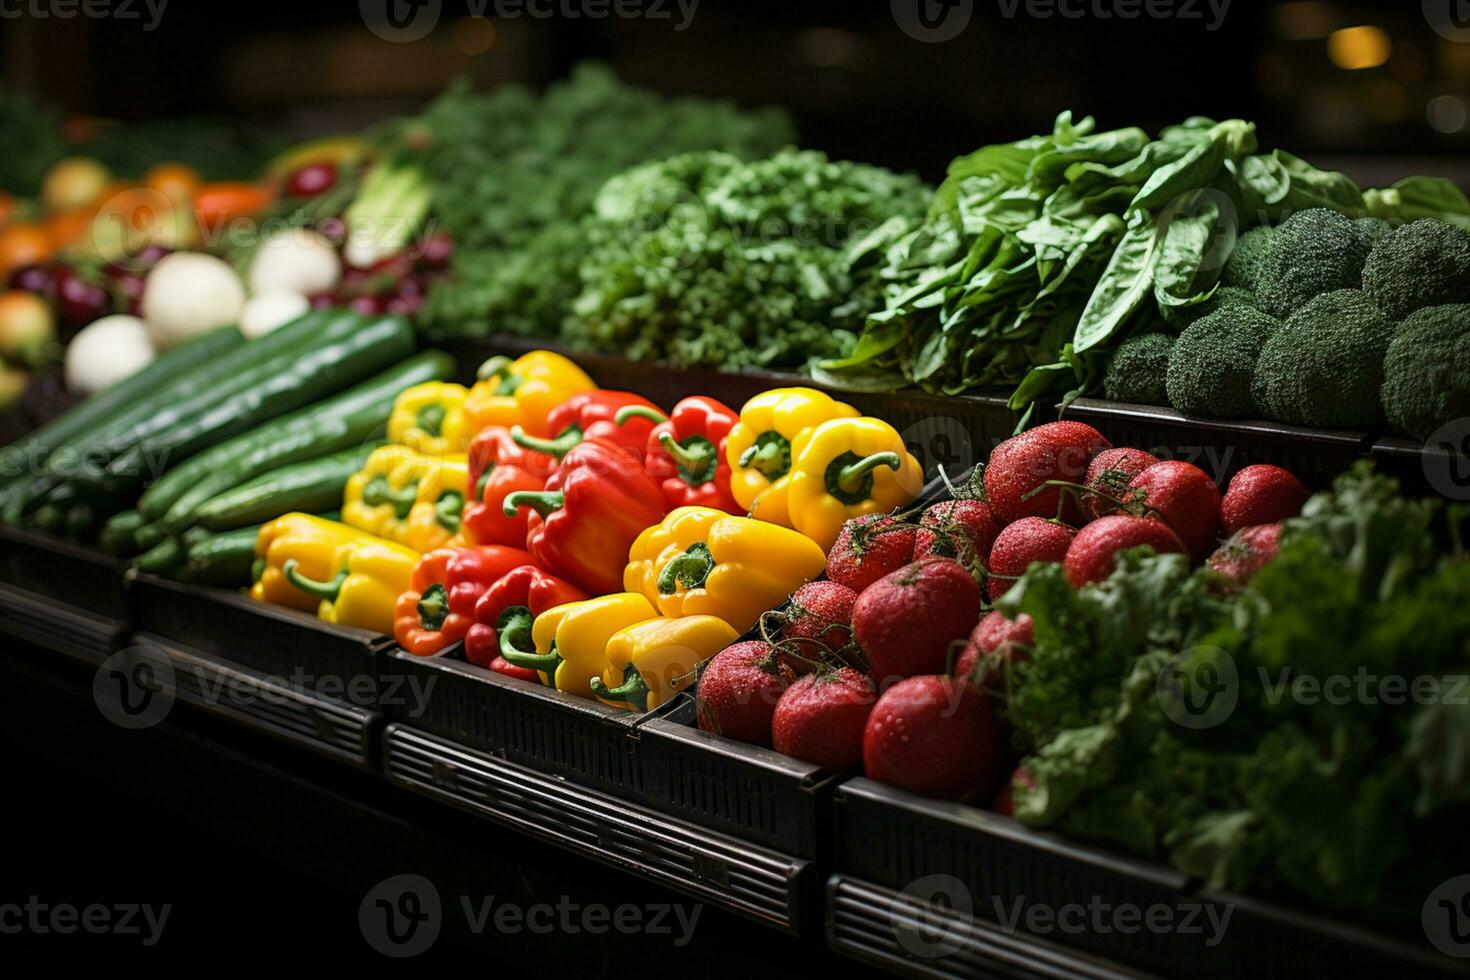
pixel 764 885
pixel 915 847
pixel 69 574
pixel 1223 448
pixel 294 648
pixel 55 626
pixel 1437 470
pixel 245 697
pixel 951 431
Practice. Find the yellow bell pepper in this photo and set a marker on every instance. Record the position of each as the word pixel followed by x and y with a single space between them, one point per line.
pixel 311 542
pixel 701 561
pixel 519 392
pixel 650 662
pixel 571 639
pixel 848 468
pixel 407 497
pixel 773 427
pixel 363 585
pixel 429 418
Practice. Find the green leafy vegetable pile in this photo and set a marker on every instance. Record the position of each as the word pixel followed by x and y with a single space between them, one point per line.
pixel 705 259
pixel 1325 746
pixel 516 172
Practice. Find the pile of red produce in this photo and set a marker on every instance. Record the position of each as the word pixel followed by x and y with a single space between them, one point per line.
pixel 894 660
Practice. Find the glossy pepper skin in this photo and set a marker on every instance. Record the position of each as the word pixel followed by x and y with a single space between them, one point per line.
pixel 509 609
pixel 848 468
pixel 571 641
pixel 592 510
pixel 701 561
pixel 439 607
pixel 686 453
pixel 520 392
pixel 429 418
pixel 309 541
pixel 408 497
pixel 594 415
pixel 367 577
pixel 498 468
pixel 650 662
pixel 764 444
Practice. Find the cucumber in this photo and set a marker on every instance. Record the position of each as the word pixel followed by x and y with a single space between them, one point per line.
pixel 311 486
pixel 166 558
pixel 223 559
pixel 345 422
pixel 120 535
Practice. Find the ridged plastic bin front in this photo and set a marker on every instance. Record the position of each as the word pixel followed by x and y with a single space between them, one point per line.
pixel 62 596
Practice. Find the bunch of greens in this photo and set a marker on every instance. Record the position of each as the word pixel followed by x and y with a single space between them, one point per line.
pixel 1324 749
pixel 31 135
pixel 515 172
pixel 1040 256
pixel 704 259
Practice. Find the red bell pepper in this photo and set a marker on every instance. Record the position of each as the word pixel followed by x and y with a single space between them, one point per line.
pixel 592 415
pixel 498 468
pixel 439 607
pixel 686 452
pixel 592 509
pixel 504 615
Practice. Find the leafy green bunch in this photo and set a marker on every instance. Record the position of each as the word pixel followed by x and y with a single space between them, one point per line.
pixel 1349 794
pixel 517 172
pixel 704 259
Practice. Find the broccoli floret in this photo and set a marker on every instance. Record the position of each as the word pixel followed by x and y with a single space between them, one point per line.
pixel 1426 375
pixel 1243 270
pixel 1314 252
pixel 1138 370
pixel 1372 229
pixel 1424 263
pixel 1212 363
pixel 1182 316
pixel 1325 366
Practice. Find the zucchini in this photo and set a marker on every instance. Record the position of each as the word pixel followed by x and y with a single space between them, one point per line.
pixel 314 485
pixel 345 422
pixel 26 455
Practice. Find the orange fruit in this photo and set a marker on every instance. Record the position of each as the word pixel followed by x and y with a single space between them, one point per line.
pixel 23 243
pixel 176 181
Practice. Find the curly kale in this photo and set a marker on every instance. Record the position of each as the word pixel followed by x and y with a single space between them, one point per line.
pixel 1313 252
pixel 1325 366
pixel 1214 361
pixel 706 260
pixel 518 171
pixel 1424 263
pixel 1426 374
pixel 1138 370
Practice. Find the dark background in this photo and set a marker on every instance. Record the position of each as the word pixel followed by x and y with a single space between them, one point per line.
pixel 860 87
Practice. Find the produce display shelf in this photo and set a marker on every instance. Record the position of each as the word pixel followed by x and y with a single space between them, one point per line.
pixel 901 935
pixel 959 862
pixel 292 648
pixel 62 596
pixel 939 430
pixel 764 885
pixel 329 727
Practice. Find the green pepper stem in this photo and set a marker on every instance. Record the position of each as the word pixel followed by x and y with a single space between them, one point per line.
pixel 513 629
pixel 849 476
pixel 633 690
pixel 484 478
pixel 433 607
pixel 696 461
pixel 377 492
pixel 431 419
pixel 689 569
pixel 326 591
pixel 770 455
pixel 493 367
pixel 542 502
pixel 447 511
pixel 557 448
pixel 639 412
